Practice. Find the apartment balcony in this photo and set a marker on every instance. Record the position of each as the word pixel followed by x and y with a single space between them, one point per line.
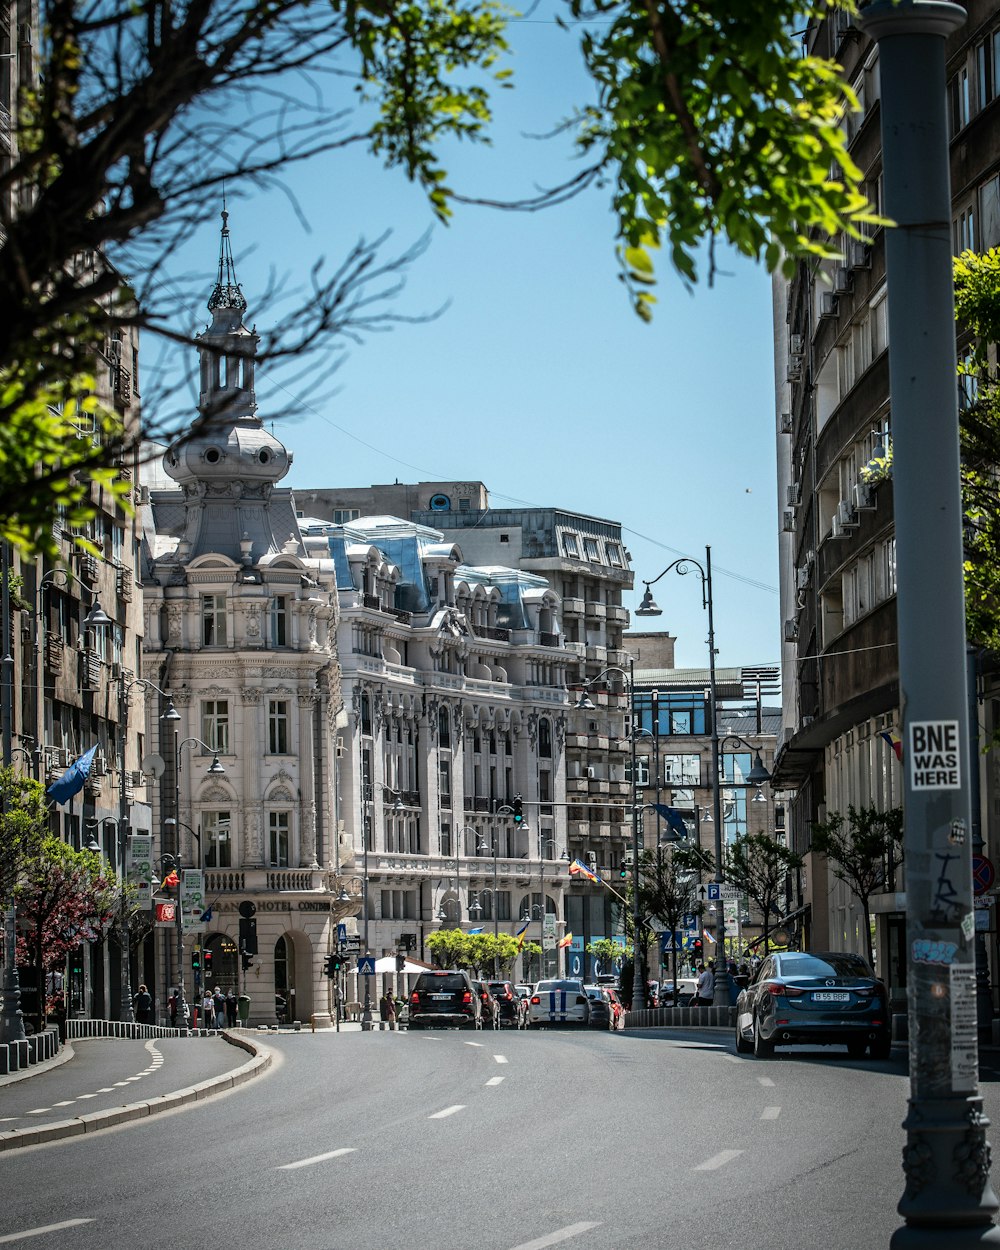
pixel 270 881
pixel 617 615
pixel 596 611
pixel 488 631
pixel 597 654
pixel 572 607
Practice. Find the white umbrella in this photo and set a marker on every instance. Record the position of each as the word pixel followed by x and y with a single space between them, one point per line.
pixel 388 964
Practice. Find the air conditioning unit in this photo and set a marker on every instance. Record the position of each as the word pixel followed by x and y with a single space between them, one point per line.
pixel 591 772
pixel 99 766
pixel 793 494
pixel 864 498
pixel 828 304
pixel 592 859
pixel 796 345
pixel 791 630
pixel 786 423
pixel 138 779
pixel 803 576
pixel 845 515
pixel 861 255
pixel 794 373
pixel 837 530
pixel 841 280
pixel 807 720
pixel 788 521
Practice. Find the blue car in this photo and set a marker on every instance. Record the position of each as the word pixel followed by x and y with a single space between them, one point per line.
pixel 815 999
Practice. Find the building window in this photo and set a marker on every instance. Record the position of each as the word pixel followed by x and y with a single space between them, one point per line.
pixel 641 771
pixel 279 621
pixel 734 766
pixel 278 827
pixel 217 839
pixel 277 727
pixel 570 547
pixel 399 904
pixel 958 100
pixel 366 714
pixel 964 228
pixel 614 554
pixel 342 515
pixel 681 770
pixel 444 727
pixel 215 725
pixel 446 840
pixel 545 738
pixel 591 550
pixel 444 782
pixel 213 621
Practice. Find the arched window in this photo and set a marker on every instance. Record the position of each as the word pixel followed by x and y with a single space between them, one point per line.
pixel 545 738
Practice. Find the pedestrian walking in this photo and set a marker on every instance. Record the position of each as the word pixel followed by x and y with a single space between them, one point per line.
pixel 231 1006
pixel 219 1004
pixel 207 1010
pixel 705 989
pixel 142 1005
pixel 172 1006
pixel 387 1009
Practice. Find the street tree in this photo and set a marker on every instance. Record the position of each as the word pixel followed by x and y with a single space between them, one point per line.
pixel 449 948
pixel 609 953
pixel 758 865
pixel 138 118
pixel 64 898
pixel 861 850
pixel 23 826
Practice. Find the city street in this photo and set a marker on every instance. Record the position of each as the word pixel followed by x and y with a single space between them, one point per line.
pixel 504 1141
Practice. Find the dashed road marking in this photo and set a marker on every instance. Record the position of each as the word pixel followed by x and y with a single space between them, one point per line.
pixel 38 1111
pixel 500 1058
pixel 718 1161
pixel 770 1113
pixel 68 1103
pixel 766 1080
pixel 440 1115
pixel 480 1044
pixel 45 1228
pixel 561 1234
pixel 494 1080
pixel 304 1163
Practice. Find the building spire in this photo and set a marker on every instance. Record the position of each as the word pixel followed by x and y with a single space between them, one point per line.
pixel 227 292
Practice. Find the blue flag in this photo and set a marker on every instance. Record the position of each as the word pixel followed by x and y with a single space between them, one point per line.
pixel 206 915
pixel 71 782
pixel 479 930
pixel 673 818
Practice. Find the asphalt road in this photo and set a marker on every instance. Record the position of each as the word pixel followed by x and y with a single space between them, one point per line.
pixel 507 1141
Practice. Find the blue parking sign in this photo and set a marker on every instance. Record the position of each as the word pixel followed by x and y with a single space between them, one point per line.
pixel 690 920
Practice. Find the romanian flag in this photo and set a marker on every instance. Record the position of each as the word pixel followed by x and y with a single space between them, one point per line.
pixel 521 933
pixel 564 941
pixel 895 741
pixel 579 869
pixel 708 936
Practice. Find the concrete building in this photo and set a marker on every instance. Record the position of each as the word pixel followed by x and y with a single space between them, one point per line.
pixel 584 563
pixel 834 427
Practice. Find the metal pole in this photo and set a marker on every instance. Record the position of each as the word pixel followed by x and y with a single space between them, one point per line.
pixel 948 1199
pixel 179 918
pixel 125 1007
pixel 984 995
pixel 638 989
pixel 366 1014
pixel 721 998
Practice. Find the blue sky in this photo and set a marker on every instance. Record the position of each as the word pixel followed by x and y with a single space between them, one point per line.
pixel 537 378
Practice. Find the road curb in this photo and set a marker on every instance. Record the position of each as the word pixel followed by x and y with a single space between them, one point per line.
pixel 38 1135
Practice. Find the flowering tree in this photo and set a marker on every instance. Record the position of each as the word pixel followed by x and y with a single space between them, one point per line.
pixel 64 898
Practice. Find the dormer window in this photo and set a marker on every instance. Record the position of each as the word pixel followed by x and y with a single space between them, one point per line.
pixel 570 547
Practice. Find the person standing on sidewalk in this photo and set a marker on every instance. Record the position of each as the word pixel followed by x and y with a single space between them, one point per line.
pixel 705 991
pixel 142 1005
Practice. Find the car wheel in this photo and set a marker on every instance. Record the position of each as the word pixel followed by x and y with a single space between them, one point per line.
pixel 881 1048
pixel 762 1048
pixel 856 1048
pixel 743 1047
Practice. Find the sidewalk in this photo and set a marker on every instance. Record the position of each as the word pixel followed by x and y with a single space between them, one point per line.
pixel 97 1083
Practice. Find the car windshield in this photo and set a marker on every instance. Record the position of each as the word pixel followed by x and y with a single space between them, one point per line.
pixel 435 984
pixel 834 965
pixel 547 987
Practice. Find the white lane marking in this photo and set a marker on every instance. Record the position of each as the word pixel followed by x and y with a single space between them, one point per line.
pixel 66 1103
pixel 561 1234
pixel 304 1163
pixel 118 1083
pixel 38 1111
pixel 479 1044
pixel 500 1058
pixel 494 1080
pixel 440 1115
pixel 45 1228
pixel 100 1091
pixel 770 1113
pixel 718 1161
pixel 766 1080
pixel 106 1090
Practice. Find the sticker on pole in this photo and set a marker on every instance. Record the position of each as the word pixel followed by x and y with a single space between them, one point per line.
pixel 934 755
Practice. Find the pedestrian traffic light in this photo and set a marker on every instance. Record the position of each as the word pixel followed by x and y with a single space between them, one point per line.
pixel 206 961
pixel 697 948
pixel 518 810
pixel 623 871
pixel 196 960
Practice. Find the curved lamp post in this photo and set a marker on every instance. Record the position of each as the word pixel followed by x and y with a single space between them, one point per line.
pixel 367 796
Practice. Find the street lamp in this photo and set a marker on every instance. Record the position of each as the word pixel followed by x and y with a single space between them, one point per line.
pixel 755 778
pixel 648 607
pixel 491 844
pixel 628 678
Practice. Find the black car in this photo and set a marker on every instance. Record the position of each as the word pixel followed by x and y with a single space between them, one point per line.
pixel 513 1008
pixel 490 1010
pixel 446 997
pixel 814 998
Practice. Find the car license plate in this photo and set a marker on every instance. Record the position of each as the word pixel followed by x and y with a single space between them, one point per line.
pixel 440 998
pixel 825 996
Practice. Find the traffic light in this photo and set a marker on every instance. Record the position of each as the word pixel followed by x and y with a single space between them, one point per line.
pixel 246 960
pixel 330 966
pixel 518 810
pixel 697 948
pixel 623 871
pixel 400 961
pixel 206 961
pixel 196 960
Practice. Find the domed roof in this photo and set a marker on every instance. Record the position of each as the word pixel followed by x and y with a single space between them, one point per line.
pixel 243 452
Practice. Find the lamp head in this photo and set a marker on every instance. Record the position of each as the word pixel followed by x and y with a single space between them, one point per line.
pixel 758 775
pixel 649 606
pixel 216 769
pixel 475 908
pixel 93 844
pixel 171 713
pixel 564 856
pixel 584 702
pixel 96 618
